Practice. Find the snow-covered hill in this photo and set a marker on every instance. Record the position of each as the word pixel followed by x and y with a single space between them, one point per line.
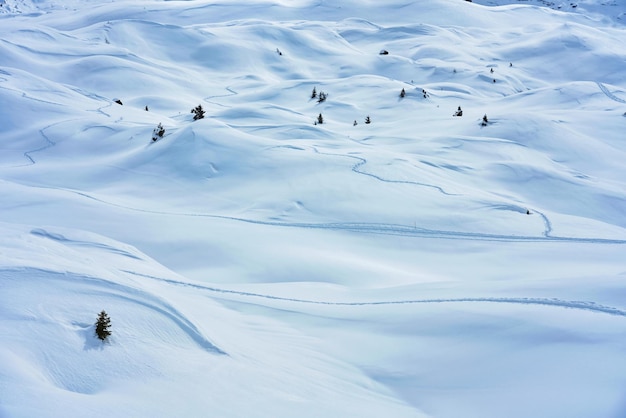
pixel 258 263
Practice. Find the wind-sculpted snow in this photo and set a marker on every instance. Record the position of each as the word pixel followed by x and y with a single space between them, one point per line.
pixel 102 290
pixel 155 344
pixel 66 241
pixel 368 254
pixel 56 311
pixel 613 11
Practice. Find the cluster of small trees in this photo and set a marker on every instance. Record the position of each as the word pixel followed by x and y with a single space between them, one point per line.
pixel 424 93
pixel 321 97
pixel 459 112
pixel 198 111
pixel 159 131
pixel 320 120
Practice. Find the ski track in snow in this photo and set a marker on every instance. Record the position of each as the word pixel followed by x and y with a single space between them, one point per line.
pixel 547 223
pixel 362 161
pixel 229 90
pixel 49 143
pixel 122 292
pixel 554 302
pixel 608 94
pixel 373 228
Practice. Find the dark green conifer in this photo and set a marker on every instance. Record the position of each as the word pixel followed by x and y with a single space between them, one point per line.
pixel 102 326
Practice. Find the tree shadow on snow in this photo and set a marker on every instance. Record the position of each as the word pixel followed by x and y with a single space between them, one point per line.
pixel 91 342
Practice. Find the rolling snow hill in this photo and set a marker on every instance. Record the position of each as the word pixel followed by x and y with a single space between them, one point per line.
pixel 257 263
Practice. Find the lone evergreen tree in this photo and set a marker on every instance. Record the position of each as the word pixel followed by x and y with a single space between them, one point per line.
pixel 102 326
pixel 402 93
pixel 314 93
pixel 198 112
pixel 368 120
pixel 320 119
pixel 485 120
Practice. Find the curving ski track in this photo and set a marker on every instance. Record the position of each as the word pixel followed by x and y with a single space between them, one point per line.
pixel 554 302
pixel 228 89
pixel 103 287
pixel 547 223
pixel 49 143
pixel 359 227
pixel 362 161
pixel 372 228
pixel 608 94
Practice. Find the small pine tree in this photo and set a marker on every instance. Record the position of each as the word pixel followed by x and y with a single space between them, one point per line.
pixel 320 119
pixel 485 121
pixel 368 120
pixel 313 93
pixel 355 123
pixel 198 112
pixel 402 93
pixel 102 326
pixel 321 97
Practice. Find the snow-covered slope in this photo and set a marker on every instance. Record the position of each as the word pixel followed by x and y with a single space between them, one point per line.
pixel 257 263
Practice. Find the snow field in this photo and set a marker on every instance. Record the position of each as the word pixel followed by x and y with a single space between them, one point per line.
pixel 256 264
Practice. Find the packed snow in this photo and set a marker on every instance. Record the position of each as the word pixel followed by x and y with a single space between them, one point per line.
pixel 264 261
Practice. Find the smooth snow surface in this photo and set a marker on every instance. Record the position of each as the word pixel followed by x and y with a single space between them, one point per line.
pixel 256 263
